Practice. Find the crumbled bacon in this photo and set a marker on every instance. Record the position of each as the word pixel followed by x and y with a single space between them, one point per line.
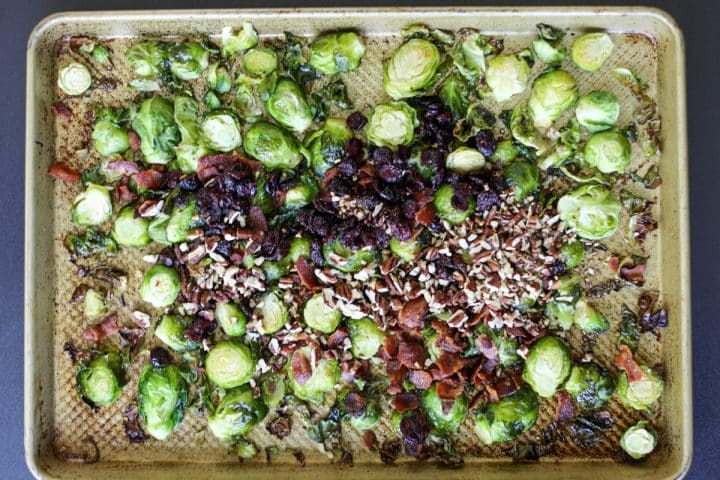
pixel 131 424
pixel 62 111
pixel 614 263
pixel 634 273
pixel 625 361
pixel 406 401
pixel 492 394
pixel 124 167
pixel 301 369
pixel 449 388
pixel 420 379
pixel 396 373
pixel 425 215
pixel 413 313
pixel 354 404
pixel 449 363
pixel 134 140
pixel 487 347
pixel 368 439
pixel 62 171
pixel 564 410
pixel 100 331
pixel 148 179
pixel 411 354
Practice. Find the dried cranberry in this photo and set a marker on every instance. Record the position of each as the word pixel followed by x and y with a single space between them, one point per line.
pixel 189 184
pixel 432 157
pixel 390 172
pixel 356 121
pixel 558 267
pixel 485 142
pixel 486 200
pixel 382 155
pixel 159 357
pixel 459 202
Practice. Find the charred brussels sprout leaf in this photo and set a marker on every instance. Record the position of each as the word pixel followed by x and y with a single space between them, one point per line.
pixel 93 206
pixel 130 230
pixel 524 132
pixel 100 382
pixel 337 52
pixel 260 61
pixel 163 395
pixel 90 243
pixel 641 394
pixel 230 318
pixel 590 51
pixel 171 330
pixel 590 385
pixel 232 43
pixel 74 79
pixel 598 111
pixel 366 337
pixel 327 145
pixel 323 378
pixel 155 124
pixel 229 364
pixel 294 61
pixel 547 366
pixel 272 146
pixel 508 418
pixel 160 286
pixel 442 418
pixel 447 204
pixel 591 210
pixel 547 46
pixel 508 75
pixel 629 334
pixel 639 440
pixel 523 177
pixel 391 124
pixel 553 93
pixel 333 94
pixel 469 53
pixel 455 92
pixel 237 414
pixel 608 151
pixel 411 69
pixel 288 106
pixel 320 316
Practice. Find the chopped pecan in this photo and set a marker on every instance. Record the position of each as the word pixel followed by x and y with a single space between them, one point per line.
pixel 301 369
pixel 280 427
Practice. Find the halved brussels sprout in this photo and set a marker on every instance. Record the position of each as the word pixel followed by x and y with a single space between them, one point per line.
pixel 639 440
pixel 591 210
pixel 302 193
pixel 327 145
pixel 641 394
pixel 411 69
pixel 146 58
pixel 94 303
pixel 588 319
pixel 597 111
pixel 465 160
pixel 272 146
pixel 230 318
pixel 523 177
pixel 218 78
pixel 289 107
pixel 572 254
pixel 547 46
pixel 324 376
pixel 406 250
pixel 456 92
pixel 608 151
pixel 553 93
pixel 591 50
pixel 508 418
pixel 171 330
pixel 337 52
pixel 369 418
pixel 130 230
pixel 506 345
pixel 260 61
pixel 156 229
pixel 442 418
pixel 160 286
pixel 93 206
pixel 505 152
pixel 590 385
pixel 181 221
pixel 109 138
pixel 319 315
pixel 469 53
pixel 189 60
pixel 366 337
pixel 229 364
pixel 445 207
pixel 346 260
pixel 547 365
pixel 237 414
pixel 211 101
pixel 185 113
pixel 187 157
pixel 233 43
pixel 507 75
pixel 272 389
pixel 391 124
pixel 523 130
pixel 299 247
pixel 560 314
pixel 100 382
pixel 155 124
pixel 162 397
pixel 74 79
pixel 273 313
pixel 221 131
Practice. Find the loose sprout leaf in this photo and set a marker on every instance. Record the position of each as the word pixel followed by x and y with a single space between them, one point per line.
pixel 628 333
pixel 550 33
pixel 93 175
pixel 295 63
pixel 331 95
pixel 90 243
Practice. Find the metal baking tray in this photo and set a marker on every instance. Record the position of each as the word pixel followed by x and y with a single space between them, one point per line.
pixel 58 426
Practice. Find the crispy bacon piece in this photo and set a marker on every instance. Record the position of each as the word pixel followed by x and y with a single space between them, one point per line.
pixel 487 347
pixel 396 372
pixel 212 165
pixel 449 363
pixel 625 361
pixel 425 215
pixel 306 274
pixel 633 273
pixel 411 354
pixel 449 388
pixel 420 379
pixel 134 140
pixel 100 331
pixel 406 401
pixel 133 432
pixel 125 167
pixel 614 263
pixel 148 179
pixel 505 388
pixel 337 337
pixel 368 439
pixel 301 369
pixel 492 394
pixel 62 111
pixel 354 404
pixel 390 346
pixel 122 194
pixel 564 410
pixel 62 171
pixel 413 313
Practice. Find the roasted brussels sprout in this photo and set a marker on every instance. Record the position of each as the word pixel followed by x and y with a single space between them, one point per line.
pixel 507 75
pixel 406 250
pixel 260 61
pixel 506 346
pixel 639 440
pixel 446 206
pixel 155 124
pixel 591 210
pixel 238 413
pixel 187 157
pixel 523 130
pixel 218 78
pixel 181 221
pixel 272 146
pixel 505 152
pixel 591 50
pixel 349 261
pixel 100 382
pixel 608 151
pixel 319 315
pixel 89 243
pixel 230 364
pixel 160 286
pixel 189 60
pixel 411 69
pixel 221 131
pixel 272 389
pixel 391 124
pixel 74 79
pixel 560 314
pixel 465 160
pixel 590 385
pixel 469 53
pixel 366 337
pixel 156 229
pixel 323 378
pixel 234 43
pixel 109 137
pixel 456 92
pixel 93 206
pixel 185 113
pixel 641 394
pixel 327 145
pixel 597 111
pixel 230 318
pixel 508 418
pixel 289 107
pixel 588 319
pixel 272 312
pixel 94 303
pixel 212 101
pixel 302 193
pixel 547 46
pixel 146 58
pixel 523 177
pixel 369 418
pixel 553 93
pixel 547 365
pixel 337 52
pixel 171 330
pixel 130 230
pixel 572 254
pixel 442 418
pixel 162 397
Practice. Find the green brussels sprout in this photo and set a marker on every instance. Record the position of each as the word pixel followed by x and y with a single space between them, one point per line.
pixel 146 58
pixel 272 312
pixel 272 146
pixel 456 92
pixel 94 303
pixel 327 145
pixel 299 248
pixel 597 111
pixel 508 418
pixel 591 50
pixel 572 254
pixel 181 221
pixel 260 61
pixel 100 382
pixel 608 151
pixel 547 46
pixel 505 152
pixel 431 337
pixel 320 316
pixel 441 418
pixel 93 206
pixel 337 52
pixel 230 318
pixel 411 69
pixel 302 193
pixel 74 79
pixel 590 385
pixel 444 205
pixel 547 365
pixel 144 85
pixel 391 124
pixel 187 157
pixel 325 375
pixel 469 53
pixel 185 113
pixel 288 106
pixel 245 450
pixel 346 260
pixel 639 440
pixel 229 364
pixel 560 314
pixel 211 101
pixel 234 43
pixel 275 270
pixel 366 337
pixel 221 131
pixel 237 414
pixel 90 243
pixel 109 138
pixel 567 286
pixel 155 124
pixel 157 229
pixel 160 286
pixel 272 389
pixel 218 78
pixel 99 53
pixel 130 230
pixel 507 75
pixel 588 319
pixel 523 130
pixel 465 160
pixel 591 210
pixel 642 394
pixel 162 397
pixel 506 346
pixel 523 177
pixel 189 60
pixel 171 330
pixel 553 93
pixel 369 418
pixel 406 250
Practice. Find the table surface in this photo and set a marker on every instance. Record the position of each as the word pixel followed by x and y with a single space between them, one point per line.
pixel 698 20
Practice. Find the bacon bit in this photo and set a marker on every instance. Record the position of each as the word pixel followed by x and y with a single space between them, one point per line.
pixel 450 344
pixel 368 440
pixel 633 273
pixel 62 111
pixel 396 373
pixel 506 388
pixel 354 404
pixel 148 179
pixel 280 427
pixel 61 171
pixel 306 274
pixel 425 215
pixel 259 224
pixel 124 167
pixel 449 363
pixel 100 331
pixel 420 379
pixel 411 354
pixel 449 388
pixel 133 432
pixel 132 335
pixel 406 401
pixel 337 337
pixel 492 394
pixel 122 194
pixel 564 410
pixel 625 361
pixel 212 165
pixel 413 313
pixel 487 347
pixel 414 430
pixel 134 140
pixel 390 347
pixel 614 263
pixel 301 369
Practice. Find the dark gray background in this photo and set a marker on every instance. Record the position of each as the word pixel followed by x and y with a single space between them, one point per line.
pixel 698 19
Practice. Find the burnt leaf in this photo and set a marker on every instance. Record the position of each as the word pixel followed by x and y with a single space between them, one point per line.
pixel 628 332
